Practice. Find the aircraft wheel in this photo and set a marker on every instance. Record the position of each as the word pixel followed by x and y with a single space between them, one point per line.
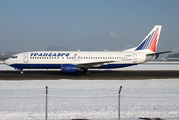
pixel 87 72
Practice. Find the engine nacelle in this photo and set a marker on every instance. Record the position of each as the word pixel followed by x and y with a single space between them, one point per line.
pixel 69 68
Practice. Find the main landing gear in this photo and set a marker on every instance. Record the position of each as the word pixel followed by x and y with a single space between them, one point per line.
pixel 86 71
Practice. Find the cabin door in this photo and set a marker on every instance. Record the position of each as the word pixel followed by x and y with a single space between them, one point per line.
pixel 26 57
pixel 135 58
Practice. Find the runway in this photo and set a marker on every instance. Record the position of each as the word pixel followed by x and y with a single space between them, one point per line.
pixel 99 75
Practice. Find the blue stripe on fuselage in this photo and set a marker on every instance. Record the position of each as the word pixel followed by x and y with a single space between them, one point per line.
pixel 58 66
pixel 37 66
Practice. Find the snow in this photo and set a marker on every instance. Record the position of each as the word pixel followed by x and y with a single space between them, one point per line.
pixel 147 66
pixel 90 99
pixel 5 67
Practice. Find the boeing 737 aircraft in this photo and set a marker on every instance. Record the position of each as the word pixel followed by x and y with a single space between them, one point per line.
pixel 73 61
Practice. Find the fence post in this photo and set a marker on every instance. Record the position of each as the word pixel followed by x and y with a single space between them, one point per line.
pixel 46 111
pixel 119 102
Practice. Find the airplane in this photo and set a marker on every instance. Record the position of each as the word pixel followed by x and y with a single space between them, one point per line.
pixel 73 61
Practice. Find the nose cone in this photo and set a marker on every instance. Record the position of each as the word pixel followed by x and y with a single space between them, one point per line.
pixel 7 62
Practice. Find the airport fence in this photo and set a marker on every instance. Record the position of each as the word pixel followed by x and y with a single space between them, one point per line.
pixel 88 104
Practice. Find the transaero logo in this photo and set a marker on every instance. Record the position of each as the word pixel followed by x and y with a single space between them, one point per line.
pixel 150 41
pixel 49 54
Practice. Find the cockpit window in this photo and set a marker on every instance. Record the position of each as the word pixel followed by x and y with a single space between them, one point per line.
pixel 13 57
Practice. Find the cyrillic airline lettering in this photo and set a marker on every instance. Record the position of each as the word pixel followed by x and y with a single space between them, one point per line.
pixel 49 54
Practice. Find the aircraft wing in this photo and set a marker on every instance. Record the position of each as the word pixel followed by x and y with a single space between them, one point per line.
pixel 93 64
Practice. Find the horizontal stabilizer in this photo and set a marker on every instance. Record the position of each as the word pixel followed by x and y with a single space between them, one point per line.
pixel 159 53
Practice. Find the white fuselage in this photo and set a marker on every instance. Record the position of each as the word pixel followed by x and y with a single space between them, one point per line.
pixel 54 59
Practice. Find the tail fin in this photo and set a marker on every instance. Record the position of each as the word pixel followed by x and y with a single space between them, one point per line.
pixel 151 40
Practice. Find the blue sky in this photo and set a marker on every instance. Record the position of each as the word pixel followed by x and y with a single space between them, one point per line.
pixel 36 24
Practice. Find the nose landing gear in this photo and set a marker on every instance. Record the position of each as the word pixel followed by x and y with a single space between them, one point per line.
pixel 22 72
pixel 20 69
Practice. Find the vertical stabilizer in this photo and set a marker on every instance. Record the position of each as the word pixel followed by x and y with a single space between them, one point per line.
pixel 151 40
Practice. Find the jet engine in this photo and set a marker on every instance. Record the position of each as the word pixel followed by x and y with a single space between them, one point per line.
pixel 69 68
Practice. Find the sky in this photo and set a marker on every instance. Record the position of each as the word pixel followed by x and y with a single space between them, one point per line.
pixel 29 25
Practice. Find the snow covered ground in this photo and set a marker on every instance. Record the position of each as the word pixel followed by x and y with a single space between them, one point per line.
pixel 90 99
pixel 147 66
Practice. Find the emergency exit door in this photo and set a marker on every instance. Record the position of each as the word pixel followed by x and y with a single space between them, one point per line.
pixel 76 58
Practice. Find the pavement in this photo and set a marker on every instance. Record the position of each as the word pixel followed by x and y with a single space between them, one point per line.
pixel 96 75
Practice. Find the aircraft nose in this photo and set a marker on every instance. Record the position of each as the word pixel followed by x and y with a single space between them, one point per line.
pixel 6 62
